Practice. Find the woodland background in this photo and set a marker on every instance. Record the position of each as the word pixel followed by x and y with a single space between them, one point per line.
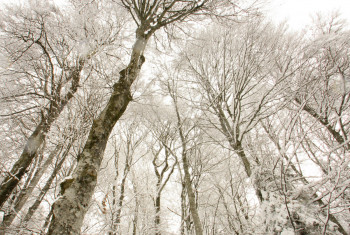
pixel 172 117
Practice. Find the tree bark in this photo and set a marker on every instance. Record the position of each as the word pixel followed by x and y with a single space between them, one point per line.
pixel 157 217
pixel 70 208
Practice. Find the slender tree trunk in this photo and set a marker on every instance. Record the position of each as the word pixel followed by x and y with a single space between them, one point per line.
pixel 47 221
pixel 116 223
pixel 27 192
pixel 136 212
pixel 46 188
pixel 157 217
pixel 20 167
pixel 69 210
pixel 183 209
pixel 37 138
pixel 191 196
pixel 185 164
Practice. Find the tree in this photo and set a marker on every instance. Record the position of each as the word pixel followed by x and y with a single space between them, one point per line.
pixel 238 80
pixel 41 45
pixel 163 165
pixel 149 16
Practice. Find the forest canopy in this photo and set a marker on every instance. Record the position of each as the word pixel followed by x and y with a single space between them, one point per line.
pixel 172 117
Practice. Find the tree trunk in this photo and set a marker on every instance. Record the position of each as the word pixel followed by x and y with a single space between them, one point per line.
pixel 20 167
pixel 157 217
pixel 27 192
pixel 121 198
pixel 47 221
pixel 136 212
pixel 69 210
pixel 46 188
pixel 191 197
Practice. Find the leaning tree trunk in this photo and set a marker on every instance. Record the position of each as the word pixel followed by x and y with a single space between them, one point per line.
pixel 47 186
pixel 191 196
pixel 324 122
pixel 37 138
pixel 116 222
pixel 69 210
pixel 27 191
pixel 187 176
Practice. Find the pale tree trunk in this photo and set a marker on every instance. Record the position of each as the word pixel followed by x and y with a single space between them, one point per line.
pixel 185 164
pixel 117 220
pixel 70 208
pixel 184 217
pixel 46 188
pixel 236 145
pixel 46 223
pixel 136 211
pixel 191 196
pixel 160 171
pixel 37 138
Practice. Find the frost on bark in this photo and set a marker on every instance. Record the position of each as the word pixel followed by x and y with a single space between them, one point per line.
pixel 70 208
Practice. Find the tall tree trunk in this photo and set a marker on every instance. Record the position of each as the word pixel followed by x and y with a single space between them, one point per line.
pixel 69 210
pixel 237 146
pixel 27 192
pixel 136 212
pixel 185 165
pixel 157 217
pixel 37 138
pixel 191 196
pixel 47 186
pixel 184 217
pixel 116 222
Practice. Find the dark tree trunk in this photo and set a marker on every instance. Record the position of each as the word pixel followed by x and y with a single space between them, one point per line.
pixel 69 210
pixel 27 191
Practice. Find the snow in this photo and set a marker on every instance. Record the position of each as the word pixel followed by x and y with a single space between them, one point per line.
pixel 33 144
pixel 139 45
pixel 287 232
pixel 2 213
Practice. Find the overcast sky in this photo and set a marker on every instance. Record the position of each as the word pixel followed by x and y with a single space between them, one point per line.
pixel 296 12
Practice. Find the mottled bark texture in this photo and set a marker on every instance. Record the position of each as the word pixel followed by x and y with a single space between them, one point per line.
pixel 37 138
pixel 191 197
pixel 70 208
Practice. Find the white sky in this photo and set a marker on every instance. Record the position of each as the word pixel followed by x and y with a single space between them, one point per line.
pixel 296 12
